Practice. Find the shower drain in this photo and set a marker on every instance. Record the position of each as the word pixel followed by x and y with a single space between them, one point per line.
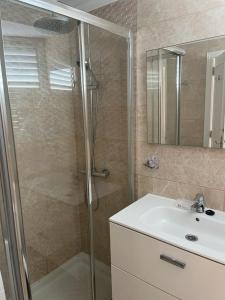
pixel 191 237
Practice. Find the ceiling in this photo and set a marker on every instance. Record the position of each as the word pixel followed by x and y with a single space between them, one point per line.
pixel 87 5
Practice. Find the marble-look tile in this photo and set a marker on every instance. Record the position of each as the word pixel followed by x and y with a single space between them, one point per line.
pixel 196 26
pixel 164 188
pixel 37 264
pixel 162 10
pixel 144 185
pixel 199 166
pixel 214 198
pixel 177 190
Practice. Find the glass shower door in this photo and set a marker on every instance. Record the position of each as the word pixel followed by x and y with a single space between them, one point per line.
pixel 106 65
pixel 41 54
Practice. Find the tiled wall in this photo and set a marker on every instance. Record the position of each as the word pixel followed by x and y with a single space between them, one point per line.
pixel 122 12
pixel 184 171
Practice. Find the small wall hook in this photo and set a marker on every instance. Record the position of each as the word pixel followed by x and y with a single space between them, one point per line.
pixel 152 162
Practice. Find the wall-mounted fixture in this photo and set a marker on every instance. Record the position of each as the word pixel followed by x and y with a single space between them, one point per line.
pixel 152 162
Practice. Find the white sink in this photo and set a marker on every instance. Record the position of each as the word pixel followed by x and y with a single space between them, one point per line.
pixel 161 218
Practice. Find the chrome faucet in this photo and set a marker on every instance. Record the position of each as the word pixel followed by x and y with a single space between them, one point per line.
pixel 199 203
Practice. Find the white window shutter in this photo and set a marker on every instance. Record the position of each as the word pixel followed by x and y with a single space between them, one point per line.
pixel 61 79
pixel 21 67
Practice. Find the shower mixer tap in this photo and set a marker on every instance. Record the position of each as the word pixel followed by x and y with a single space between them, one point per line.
pixel 104 173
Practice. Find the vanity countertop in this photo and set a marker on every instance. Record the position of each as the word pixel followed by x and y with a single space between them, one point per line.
pixel 161 218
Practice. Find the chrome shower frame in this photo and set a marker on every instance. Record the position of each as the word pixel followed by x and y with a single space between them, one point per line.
pixel 12 221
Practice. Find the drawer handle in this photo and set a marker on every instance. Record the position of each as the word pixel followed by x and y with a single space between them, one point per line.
pixel 173 261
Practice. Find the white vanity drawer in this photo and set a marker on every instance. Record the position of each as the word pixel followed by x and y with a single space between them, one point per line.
pixel 138 254
pixel 128 287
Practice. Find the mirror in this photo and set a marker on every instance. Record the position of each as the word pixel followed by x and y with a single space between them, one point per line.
pixel 186 94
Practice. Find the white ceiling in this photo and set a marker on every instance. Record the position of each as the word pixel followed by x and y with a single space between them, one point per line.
pixel 87 5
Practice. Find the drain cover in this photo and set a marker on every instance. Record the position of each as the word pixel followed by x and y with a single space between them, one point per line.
pixel 191 237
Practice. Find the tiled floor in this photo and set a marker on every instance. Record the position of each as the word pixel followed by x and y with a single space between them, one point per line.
pixel 71 281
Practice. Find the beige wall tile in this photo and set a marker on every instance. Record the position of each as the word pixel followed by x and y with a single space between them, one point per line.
pixel 144 185
pixel 161 10
pixel 164 188
pixel 214 198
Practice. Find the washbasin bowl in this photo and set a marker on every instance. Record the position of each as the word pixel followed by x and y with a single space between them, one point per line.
pixel 161 218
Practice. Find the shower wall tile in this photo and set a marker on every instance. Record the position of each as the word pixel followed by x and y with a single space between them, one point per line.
pixel 123 12
pixel 37 265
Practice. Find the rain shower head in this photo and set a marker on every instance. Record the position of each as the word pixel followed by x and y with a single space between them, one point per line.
pixel 57 24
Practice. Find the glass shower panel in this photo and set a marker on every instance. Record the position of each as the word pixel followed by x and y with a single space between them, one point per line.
pixel 6 286
pixel 106 57
pixel 41 58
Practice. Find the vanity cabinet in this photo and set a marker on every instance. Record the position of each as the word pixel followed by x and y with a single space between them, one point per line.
pixel 144 268
pixel 128 287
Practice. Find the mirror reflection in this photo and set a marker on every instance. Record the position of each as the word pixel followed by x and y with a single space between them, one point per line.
pixel 186 94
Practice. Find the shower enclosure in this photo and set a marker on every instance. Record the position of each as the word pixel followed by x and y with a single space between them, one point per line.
pixel 66 148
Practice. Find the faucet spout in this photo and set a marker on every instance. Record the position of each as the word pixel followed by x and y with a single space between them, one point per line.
pixel 199 203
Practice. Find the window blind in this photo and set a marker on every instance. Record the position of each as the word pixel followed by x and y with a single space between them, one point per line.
pixel 61 79
pixel 21 67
